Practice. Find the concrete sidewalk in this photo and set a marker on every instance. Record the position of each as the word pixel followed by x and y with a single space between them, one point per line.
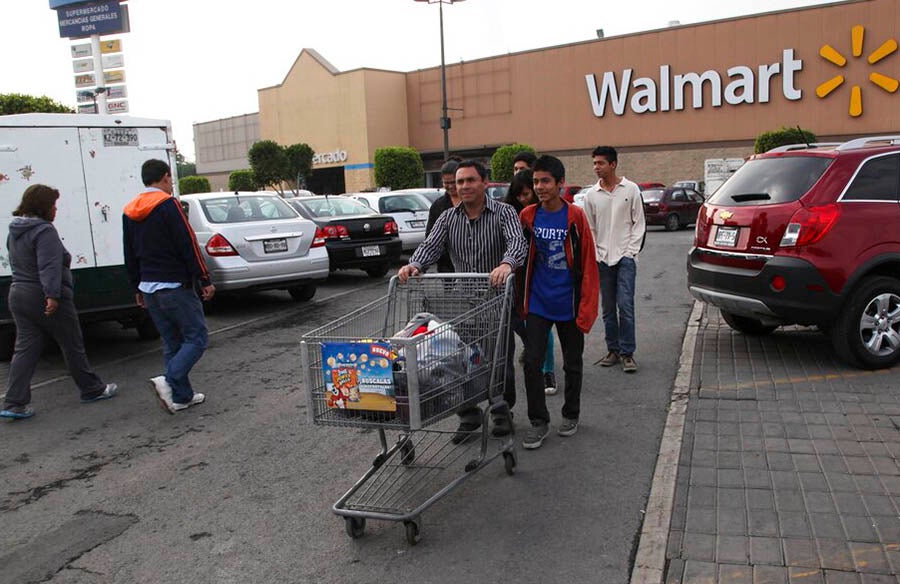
pixel 788 470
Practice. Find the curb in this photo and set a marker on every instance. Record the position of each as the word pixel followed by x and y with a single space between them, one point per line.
pixel 650 561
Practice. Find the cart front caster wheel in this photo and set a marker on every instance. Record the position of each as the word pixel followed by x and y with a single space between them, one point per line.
pixel 356 526
pixel 509 461
pixel 412 532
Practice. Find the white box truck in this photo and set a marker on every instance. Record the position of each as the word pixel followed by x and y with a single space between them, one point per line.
pixel 95 163
pixel 717 170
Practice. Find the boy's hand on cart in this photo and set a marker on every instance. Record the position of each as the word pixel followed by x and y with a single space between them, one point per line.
pixel 406 271
pixel 499 274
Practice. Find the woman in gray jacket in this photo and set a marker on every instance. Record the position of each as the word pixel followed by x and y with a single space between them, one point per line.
pixel 40 300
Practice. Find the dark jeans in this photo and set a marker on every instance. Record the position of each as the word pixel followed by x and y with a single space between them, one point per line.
pixel 571 341
pixel 26 303
pixel 178 316
pixel 617 300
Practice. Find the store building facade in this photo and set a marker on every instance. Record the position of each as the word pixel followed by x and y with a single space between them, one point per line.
pixel 667 99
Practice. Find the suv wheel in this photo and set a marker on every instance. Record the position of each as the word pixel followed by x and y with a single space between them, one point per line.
pixel 867 332
pixel 302 293
pixel 747 325
pixel 672 222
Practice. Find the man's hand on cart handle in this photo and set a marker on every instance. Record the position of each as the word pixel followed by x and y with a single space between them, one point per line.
pixel 499 275
pixel 407 271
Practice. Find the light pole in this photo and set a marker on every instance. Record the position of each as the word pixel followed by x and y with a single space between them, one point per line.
pixel 445 120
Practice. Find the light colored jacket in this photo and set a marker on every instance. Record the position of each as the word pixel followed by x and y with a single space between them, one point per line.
pixel 617 221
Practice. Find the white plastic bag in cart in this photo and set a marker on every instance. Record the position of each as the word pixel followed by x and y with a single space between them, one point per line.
pixel 442 361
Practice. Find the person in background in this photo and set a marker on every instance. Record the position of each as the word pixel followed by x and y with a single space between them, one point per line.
pixel 449 200
pixel 523 160
pixel 41 302
pixel 520 195
pixel 164 267
pixel 616 215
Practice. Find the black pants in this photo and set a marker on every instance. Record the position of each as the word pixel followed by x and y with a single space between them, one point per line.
pixel 472 414
pixel 571 342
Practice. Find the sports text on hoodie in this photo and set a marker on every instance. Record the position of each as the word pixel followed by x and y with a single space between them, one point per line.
pixel 37 256
pixel 160 245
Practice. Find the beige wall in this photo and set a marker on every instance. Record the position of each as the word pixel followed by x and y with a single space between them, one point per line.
pixel 541 97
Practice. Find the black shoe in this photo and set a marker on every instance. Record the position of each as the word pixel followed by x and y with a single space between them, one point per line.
pixel 502 426
pixel 465 431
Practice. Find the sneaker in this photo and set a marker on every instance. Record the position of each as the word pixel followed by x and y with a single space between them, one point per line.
pixel 568 427
pixel 611 359
pixel 550 383
pixel 17 412
pixel 198 398
pixel 502 426
pixel 628 364
pixel 163 393
pixel 109 391
pixel 535 436
pixel 465 431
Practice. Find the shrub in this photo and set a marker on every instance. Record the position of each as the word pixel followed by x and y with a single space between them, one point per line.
pixel 502 161
pixel 242 180
pixel 399 167
pixel 768 140
pixel 193 184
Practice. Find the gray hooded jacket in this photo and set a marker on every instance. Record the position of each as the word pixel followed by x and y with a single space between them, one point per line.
pixel 37 257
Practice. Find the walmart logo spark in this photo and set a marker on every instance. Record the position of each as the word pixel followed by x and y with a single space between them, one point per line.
pixel 831 55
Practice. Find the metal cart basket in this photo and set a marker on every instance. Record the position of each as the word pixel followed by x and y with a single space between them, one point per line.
pixel 437 343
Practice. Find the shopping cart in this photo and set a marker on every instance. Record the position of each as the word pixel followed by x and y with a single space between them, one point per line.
pixel 414 382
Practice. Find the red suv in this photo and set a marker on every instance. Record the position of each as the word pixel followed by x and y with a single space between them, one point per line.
pixel 808 234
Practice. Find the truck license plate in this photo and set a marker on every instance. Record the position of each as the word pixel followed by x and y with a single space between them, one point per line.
pixel 370 250
pixel 726 236
pixel 274 245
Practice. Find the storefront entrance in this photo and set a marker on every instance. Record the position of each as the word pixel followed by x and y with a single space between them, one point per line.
pixel 327 181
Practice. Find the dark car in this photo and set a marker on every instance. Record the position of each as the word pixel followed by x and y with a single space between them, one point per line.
pixel 675 208
pixel 808 234
pixel 355 235
pixel 650 185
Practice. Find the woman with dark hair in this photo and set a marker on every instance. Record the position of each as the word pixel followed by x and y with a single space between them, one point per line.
pixel 520 195
pixel 40 300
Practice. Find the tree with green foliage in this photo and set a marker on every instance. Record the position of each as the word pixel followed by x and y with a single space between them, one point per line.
pixel 270 165
pixel 242 180
pixel 502 161
pixel 299 158
pixel 399 167
pixel 183 167
pixel 19 103
pixel 193 184
pixel 783 137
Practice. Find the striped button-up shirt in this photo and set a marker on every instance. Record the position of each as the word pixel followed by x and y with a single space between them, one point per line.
pixel 475 245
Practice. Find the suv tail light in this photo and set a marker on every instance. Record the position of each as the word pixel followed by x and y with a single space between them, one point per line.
pixel 335 231
pixel 218 246
pixel 701 229
pixel 390 228
pixel 318 238
pixel 809 225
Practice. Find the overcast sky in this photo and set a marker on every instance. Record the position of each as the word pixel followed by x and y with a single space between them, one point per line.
pixel 198 60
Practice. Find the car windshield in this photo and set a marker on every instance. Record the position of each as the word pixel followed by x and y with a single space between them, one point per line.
pixel 771 180
pixel 402 203
pixel 333 207
pixel 243 208
pixel 652 195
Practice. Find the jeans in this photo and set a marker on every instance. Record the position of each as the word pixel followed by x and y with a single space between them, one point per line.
pixel 178 316
pixel 571 341
pixel 617 300
pixel 549 365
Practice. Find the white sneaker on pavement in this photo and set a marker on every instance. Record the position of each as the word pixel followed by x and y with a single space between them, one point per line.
pixel 198 398
pixel 163 393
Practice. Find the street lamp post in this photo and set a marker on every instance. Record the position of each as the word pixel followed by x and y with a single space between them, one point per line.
pixel 445 119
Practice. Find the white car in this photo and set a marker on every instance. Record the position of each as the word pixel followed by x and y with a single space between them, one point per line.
pixel 257 241
pixel 579 197
pixel 409 210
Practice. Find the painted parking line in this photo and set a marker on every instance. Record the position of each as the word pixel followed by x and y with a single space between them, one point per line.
pixel 798 380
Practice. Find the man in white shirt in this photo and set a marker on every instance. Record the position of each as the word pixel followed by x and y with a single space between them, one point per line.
pixel 615 213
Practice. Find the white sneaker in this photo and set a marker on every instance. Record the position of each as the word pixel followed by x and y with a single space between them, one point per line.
pixel 163 393
pixel 198 398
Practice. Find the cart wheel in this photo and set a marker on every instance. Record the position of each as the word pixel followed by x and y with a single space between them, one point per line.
pixel 356 526
pixel 509 461
pixel 412 532
pixel 408 452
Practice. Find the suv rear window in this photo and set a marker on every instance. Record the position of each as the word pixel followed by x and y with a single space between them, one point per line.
pixel 767 181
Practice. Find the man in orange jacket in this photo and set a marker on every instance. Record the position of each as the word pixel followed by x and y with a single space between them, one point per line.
pixel 561 289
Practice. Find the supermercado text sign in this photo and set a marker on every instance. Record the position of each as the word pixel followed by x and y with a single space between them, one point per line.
pixel 330 157
pixel 666 92
pixel 90 18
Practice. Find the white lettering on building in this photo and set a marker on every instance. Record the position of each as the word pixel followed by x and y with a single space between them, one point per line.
pixel 330 157
pixel 667 93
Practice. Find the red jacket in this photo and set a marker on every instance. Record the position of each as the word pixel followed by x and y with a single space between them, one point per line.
pixel 582 263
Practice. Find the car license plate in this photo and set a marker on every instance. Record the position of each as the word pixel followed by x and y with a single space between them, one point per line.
pixel 726 236
pixel 417 224
pixel 274 245
pixel 371 250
